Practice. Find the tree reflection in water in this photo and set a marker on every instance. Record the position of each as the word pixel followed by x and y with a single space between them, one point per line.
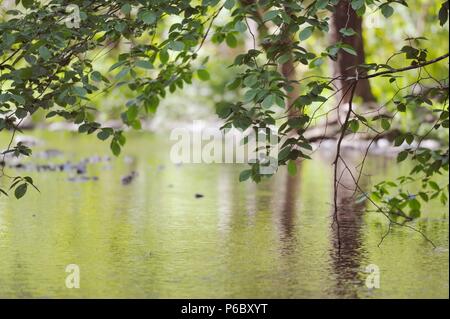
pixel 347 252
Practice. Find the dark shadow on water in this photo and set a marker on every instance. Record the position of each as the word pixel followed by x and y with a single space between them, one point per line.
pixel 347 253
pixel 287 214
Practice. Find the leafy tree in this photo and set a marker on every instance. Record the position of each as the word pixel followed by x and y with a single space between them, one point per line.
pixel 48 52
pixel 347 33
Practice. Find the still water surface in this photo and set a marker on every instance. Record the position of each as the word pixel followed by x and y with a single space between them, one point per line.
pixel 154 239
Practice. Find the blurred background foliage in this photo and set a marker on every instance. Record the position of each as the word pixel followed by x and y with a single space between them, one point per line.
pixel 382 37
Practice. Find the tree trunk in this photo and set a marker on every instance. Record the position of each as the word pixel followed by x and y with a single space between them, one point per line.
pixel 289 72
pixel 345 17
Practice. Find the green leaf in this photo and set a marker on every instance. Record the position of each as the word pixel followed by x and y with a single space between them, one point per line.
pixel 409 138
pixel 250 95
pixel 306 33
pixel 224 109
pixel 321 4
pixel 121 139
pixel 19 99
pixel 444 199
pixel 424 196
pixel 245 175
pixel 250 81
pixel 148 17
pixel 349 49
pixel 414 204
pixel 354 126
pixel 103 135
pixel 203 75
pixel 385 124
pixel 144 64
pixel 316 63
pixel 45 53
pixel 279 101
pixel 30 181
pixel 116 65
pixel 96 76
pixel 399 140
pixel 270 15
pixel 231 40
pixel 120 27
pixel 176 46
pixel 152 104
pixel 284 58
pixel 164 56
pixel 268 101
pixel 402 156
pixel 348 32
pixel 401 107
pixel 21 113
pixel 443 13
pixel 115 148
pixel 387 10
pixel 122 73
pixel 229 4
pixel 357 4
pixel 284 153
pixel 414 213
pixel 434 186
pixel 80 91
pixel 126 8
pixel 132 113
pixel 20 190
pixel 27 3
pixel 240 27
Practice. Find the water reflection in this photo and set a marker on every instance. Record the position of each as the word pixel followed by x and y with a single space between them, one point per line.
pixel 287 210
pixel 224 199
pixel 347 251
pixel 154 238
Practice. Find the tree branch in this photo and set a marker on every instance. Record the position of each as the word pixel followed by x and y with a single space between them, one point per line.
pixel 411 67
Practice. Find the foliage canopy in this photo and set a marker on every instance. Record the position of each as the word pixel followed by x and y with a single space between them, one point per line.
pixel 48 53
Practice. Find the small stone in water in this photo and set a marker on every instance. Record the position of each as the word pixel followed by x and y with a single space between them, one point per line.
pixel 129 178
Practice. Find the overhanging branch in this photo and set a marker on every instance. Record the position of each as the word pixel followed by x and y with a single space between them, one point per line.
pixel 408 68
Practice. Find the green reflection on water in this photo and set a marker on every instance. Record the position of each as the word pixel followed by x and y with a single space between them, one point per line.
pixel 154 239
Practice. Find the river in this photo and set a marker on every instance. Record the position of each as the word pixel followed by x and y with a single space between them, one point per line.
pixel 194 231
